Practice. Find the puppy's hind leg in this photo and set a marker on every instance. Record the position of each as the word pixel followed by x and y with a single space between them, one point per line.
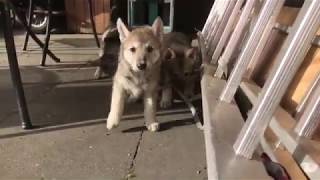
pixel 166 97
pixel 98 73
pixel 150 108
pixel 116 107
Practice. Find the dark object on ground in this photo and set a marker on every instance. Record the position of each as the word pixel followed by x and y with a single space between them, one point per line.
pixel 275 170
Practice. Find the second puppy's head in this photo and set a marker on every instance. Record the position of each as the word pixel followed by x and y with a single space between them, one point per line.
pixel 141 48
pixel 182 64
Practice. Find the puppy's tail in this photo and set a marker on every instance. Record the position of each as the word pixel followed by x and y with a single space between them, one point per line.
pixel 110 34
pixel 192 108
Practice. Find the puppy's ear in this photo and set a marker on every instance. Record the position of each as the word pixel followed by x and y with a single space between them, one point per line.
pixel 169 54
pixel 157 28
pixel 191 53
pixel 123 30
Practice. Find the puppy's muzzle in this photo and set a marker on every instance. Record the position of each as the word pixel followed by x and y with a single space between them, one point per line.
pixel 142 66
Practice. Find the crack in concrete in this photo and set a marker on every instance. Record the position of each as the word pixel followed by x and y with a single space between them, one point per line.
pixel 132 161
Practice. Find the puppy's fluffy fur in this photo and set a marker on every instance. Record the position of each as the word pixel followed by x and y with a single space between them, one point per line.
pixel 181 61
pixel 138 71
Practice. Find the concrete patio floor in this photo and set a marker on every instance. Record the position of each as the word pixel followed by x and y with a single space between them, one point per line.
pixel 69 109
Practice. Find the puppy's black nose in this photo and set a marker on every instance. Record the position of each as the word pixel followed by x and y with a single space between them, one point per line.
pixel 142 66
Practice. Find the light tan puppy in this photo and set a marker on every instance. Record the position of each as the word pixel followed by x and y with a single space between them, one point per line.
pixel 138 71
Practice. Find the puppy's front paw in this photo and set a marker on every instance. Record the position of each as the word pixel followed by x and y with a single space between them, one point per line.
pixel 153 127
pixel 165 102
pixel 112 123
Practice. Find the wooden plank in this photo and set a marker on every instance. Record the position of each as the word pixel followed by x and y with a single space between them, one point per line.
pixel 308 70
pixel 305 75
pixel 102 14
pixel 302 80
pixel 259 72
pixel 288 15
pixel 78 19
pixel 304 151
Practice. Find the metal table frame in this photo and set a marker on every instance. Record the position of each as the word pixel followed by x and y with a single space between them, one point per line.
pixel 24 23
pixel 49 28
pixel 13 64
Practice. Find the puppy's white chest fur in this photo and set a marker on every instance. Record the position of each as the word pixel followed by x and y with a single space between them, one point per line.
pixel 140 80
pixel 135 84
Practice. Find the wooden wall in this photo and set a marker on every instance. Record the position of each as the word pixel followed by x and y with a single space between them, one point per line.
pixel 307 72
pixel 189 15
pixel 78 19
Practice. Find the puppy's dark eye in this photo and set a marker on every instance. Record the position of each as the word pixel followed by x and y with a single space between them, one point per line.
pixel 149 49
pixel 133 49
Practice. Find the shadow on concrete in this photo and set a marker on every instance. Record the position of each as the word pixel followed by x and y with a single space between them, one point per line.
pixel 66 103
pixel 63 126
pixel 56 103
pixel 36 82
pixel 164 126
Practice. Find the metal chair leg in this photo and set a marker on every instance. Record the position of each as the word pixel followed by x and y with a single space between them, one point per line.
pixel 48 33
pixel 30 13
pixel 93 25
pixel 14 67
